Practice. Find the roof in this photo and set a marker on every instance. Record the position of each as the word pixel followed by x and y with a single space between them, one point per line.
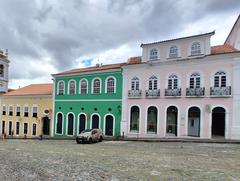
pixel 33 89
pixel 92 69
pixel 221 49
pixel 232 29
pixel 134 60
pixel 204 34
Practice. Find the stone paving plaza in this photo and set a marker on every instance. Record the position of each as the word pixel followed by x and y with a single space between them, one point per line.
pixel 117 160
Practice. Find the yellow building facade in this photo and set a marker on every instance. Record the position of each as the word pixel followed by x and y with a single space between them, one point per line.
pixel 27 112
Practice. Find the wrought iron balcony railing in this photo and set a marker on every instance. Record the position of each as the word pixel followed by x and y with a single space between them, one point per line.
pixel 134 93
pixel 195 91
pixel 173 92
pixel 220 91
pixel 153 93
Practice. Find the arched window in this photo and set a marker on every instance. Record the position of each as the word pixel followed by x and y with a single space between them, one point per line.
pixel 194 121
pixel 96 86
pixel 81 123
pixel 173 81
pixel 95 121
pixel 1 70
pixel 134 119
pixel 135 83
pixel 153 83
pixel 196 48
pixel 83 86
pixel 70 124
pixel 195 80
pixel 59 125
pixel 61 88
pixel 152 119
pixel 220 79
pixel 173 52
pixel 110 85
pixel 153 54
pixel 72 87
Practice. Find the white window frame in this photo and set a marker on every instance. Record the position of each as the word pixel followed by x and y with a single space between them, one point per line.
pixel 17 109
pixel 154 57
pixel 106 85
pixel 11 106
pixel 34 106
pixel 195 80
pixel 93 85
pixel 16 128
pixel 75 85
pixel 57 122
pixel 4 106
pixel 218 74
pixel 152 80
pixel 177 54
pixel 27 128
pixel 201 48
pixel 73 124
pixel 24 110
pixel 36 129
pixel 134 82
pixel 172 77
pixel 80 85
pixel 58 87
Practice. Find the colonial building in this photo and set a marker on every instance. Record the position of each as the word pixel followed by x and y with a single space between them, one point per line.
pixel 88 98
pixel 27 112
pixel 183 87
pixel 4 64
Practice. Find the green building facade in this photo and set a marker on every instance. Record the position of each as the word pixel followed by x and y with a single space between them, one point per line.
pixel 88 98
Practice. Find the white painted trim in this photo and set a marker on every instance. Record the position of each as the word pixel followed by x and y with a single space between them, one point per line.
pixel 178 53
pixel 201 47
pixel 115 84
pixel 104 123
pixel 178 119
pixel 99 120
pixel 18 105
pixel 79 86
pixel 146 120
pixel 10 105
pixel 92 88
pixel 64 88
pixel 16 128
pixel 34 105
pixel 27 128
pixel 62 124
pixel 36 129
pixel 26 105
pixel 75 86
pixel 9 127
pixel 67 124
pixel 129 119
pixel 79 120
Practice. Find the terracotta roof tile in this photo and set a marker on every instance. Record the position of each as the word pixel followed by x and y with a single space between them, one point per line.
pixel 33 89
pixel 92 69
pixel 134 60
pixel 221 49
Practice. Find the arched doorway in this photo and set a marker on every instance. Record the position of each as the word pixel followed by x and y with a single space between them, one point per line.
pixel 81 123
pixel 194 121
pixel 218 121
pixel 95 121
pixel 172 116
pixel 46 125
pixel 109 121
pixel 70 128
pixel 134 119
pixel 152 120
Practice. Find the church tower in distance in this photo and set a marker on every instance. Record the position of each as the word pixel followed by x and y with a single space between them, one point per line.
pixel 4 64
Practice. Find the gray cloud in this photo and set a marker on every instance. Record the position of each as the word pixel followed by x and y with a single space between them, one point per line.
pixel 63 31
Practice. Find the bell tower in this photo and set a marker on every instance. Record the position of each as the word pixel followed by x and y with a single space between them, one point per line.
pixel 4 64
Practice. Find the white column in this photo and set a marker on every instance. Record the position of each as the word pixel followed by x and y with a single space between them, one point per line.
pixel 235 133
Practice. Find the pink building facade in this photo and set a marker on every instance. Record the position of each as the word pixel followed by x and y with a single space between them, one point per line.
pixel 182 88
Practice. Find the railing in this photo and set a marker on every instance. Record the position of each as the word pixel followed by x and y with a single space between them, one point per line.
pixel 173 92
pixel 220 91
pixel 195 91
pixel 153 93
pixel 134 93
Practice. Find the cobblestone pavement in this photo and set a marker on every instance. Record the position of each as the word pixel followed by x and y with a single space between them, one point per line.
pixel 65 160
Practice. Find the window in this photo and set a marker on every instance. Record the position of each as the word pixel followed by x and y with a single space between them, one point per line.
pixel 10 111
pixel 17 128
pixel 83 86
pixel 220 79
pixel 110 85
pixel 173 52
pixel 34 111
pixel 10 130
pixel 25 111
pixel 1 70
pixel 134 119
pixel 135 83
pixel 195 81
pixel 196 48
pixel 172 82
pixel 18 111
pixel 153 54
pixel 153 83
pixel 96 86
pixel 25 128
pixel 34 129
pixel 3 127
pixel 70 123
pixel 152 119
pixel 61 88
pixel 59 125
pixel 72 87
pixel 4 110
pixel 81 123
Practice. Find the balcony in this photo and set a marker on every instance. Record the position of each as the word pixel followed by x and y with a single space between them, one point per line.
pixel 195 92
pixel 173 92
pixel 135 93
pixel 153 93
pixel 220 91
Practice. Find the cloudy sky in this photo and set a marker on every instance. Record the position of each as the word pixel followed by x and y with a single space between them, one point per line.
pixel 46 37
